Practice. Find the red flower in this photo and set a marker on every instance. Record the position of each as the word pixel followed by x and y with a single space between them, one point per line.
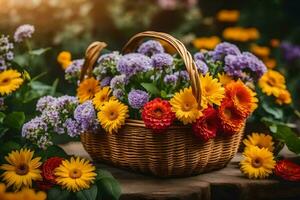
pixel 157 115
pixel 230 119
pixel 206 126
pixel 44 185
pixel 48 169
pixel 287 170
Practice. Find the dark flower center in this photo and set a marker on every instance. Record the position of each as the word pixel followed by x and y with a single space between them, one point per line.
pixel 75 173
pixel 256 163
pixel 22 169
pixel 113 115
pixel 5 81
pixel 158 112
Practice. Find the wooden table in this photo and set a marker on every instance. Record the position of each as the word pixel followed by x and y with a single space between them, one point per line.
pixel 224 184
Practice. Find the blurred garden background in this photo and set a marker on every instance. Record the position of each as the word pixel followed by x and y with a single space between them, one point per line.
pixel 270 28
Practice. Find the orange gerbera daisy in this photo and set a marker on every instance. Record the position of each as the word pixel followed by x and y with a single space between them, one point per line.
pixel 243 98
pixel 231 120
pixel 87 89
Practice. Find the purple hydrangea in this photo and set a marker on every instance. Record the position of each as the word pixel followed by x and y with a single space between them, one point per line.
pixel 245 63
pixel 36 130
pixel 118 93
pixel 133 63
pixel 85 115
pixel 3 65
pixel 201 66
pixel 118 81
pixel 223 49
pixel 137 98
pixel 162 60
pixel 44 102
pixel 290 51
pixel 171 79
pixel 106 63
pixel 23 32
pixel 6 52
pixel 73 127
pixel 105 81
pixel 109 58
pixel 150 48
pixel 73 71
pixel 199 56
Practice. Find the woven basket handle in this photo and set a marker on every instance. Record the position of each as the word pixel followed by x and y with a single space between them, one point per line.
pixel 93 51
pixel 190 65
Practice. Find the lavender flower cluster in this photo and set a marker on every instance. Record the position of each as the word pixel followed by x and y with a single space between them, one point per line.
pixel 6 52
pixel 62 115
pixel 23 32
pixel 290 51
pixel 73 71
pixel 243 65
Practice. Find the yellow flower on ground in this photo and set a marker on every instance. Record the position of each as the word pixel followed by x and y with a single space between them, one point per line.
pixel 87 89
pixel 270 63
pixel 257 163
pixel 211 90
pixel 30 194
pixel 64 58
pixel 112 115
pixel 272 82
pixel 10 80
pixel 225 79
pixel 261 51
pixel 206 42
pixel 185 106
pixel 75 174
pixel 284 97
pixel 21 169
pixel 260 140
pixel 102 96
pixel 240 34
pixel 228 15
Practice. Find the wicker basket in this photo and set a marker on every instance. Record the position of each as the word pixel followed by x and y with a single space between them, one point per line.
pixel 174 153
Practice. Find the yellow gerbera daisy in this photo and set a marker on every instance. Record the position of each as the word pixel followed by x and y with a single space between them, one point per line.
pixel 260 140
pixel 224 79
pixel 272 82
pixel 185 106
pixel 212 90
pixel 29 194
pixel 10 80
pixel 76 174
pixel 87 89
pixel 284 97
pixel 112 115
pixel 102 96
pixel 257 163
pixel 22 169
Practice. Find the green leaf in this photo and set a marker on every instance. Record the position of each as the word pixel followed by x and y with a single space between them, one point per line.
pixel 15 120
pixel 38 52
pixel 109 188
pixel 54 87
pixel 89 194
pixel 2 117
pixel 287 135
pixel 52 151
pixel 151 88
pixel 57 193
pixel 101 174
pixel 9 146
pixel 275 112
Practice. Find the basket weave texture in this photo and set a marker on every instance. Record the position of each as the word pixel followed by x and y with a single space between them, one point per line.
pixel 174 153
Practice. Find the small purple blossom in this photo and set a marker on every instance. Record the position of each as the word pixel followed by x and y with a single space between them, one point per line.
pixel 73 127
pixel 23 32
pixel 290 51
pixel 105 81
pixel 133 63
pixel 150 48
pixel 137 98
pixel 118 81
pixel 162 60
pixel 118 93
pixel 201 66
pixel 73 71
pixel 109 58
pixel 85 115
pixel 199 56
pixel 44 102
pixel 245 66
pixel 170 79
pixel 223 49
pixel 184 75
pixel 6 52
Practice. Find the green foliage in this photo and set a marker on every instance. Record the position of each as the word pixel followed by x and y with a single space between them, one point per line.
pixel 56 193
pixel 14 120
pixel 151 88
pixel 108 187
pixel 89 194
